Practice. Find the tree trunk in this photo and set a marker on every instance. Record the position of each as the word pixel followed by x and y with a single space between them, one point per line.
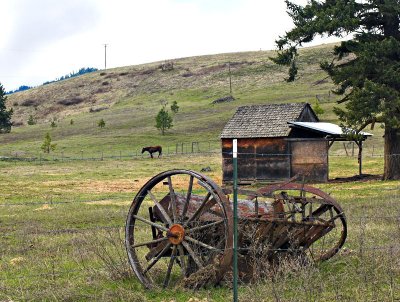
pixel 392 154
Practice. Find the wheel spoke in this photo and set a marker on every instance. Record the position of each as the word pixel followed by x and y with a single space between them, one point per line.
pixel 161 208
pixel 188 195
pixel 192 254
pixel 171 263
pixel 182 259
pixel 149 242
pixel 155 260
pixel 199 228
pixel 172 197
pixel 200 209
pixel 160 227
pixel 195 241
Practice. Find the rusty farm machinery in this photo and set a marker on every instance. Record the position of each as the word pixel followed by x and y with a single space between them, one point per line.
pixel 179 228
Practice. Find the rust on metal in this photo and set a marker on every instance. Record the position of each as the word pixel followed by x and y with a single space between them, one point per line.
pixel 193 230
pixel 176 234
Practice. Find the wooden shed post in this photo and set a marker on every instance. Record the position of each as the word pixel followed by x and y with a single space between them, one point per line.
pixel 360 147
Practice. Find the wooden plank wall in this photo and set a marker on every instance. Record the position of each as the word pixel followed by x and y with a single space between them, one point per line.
pixel 276 159
pixel 258 159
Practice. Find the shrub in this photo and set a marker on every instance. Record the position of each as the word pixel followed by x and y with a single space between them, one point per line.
pixel 101 123
pixel 31 120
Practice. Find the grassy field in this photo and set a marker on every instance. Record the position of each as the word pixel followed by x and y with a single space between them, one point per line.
pixel 62 214
pixel 62 231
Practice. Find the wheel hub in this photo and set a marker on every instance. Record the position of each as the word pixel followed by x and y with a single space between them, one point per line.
pixel 176 234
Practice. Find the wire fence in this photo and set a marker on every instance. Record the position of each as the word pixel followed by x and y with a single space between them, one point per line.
pixel 348 149
pixel 194 147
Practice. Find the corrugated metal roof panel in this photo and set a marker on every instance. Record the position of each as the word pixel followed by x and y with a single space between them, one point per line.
pixel 328 128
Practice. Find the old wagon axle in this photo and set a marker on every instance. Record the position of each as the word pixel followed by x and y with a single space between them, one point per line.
pixel 180 225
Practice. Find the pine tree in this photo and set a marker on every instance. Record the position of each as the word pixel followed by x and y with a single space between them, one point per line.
pixel 163 120
pixel 317 108
pixel 101 123
pixel 47 146
pixel 174 107
pixel 365 69
pixel 5 115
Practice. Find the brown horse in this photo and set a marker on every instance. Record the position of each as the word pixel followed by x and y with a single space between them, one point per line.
pixel 153 149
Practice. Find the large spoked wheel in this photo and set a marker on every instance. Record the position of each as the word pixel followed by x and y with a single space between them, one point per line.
pixel 312 221
pixel 179 223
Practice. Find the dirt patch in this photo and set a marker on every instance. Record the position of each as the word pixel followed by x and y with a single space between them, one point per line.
pixel 356 178
pixel 108 202
pixel 121 186
pixel 17 261
pixel 45 207
pixel 224 99
pixel 30 103
pixel 70 102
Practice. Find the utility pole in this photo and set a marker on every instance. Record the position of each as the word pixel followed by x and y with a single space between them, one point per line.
pixel 230 78
pixel 105 56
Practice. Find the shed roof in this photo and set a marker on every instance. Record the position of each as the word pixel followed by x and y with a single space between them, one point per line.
pixel 263 120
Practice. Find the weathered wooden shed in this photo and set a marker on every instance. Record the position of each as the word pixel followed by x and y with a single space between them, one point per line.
pixel 269 148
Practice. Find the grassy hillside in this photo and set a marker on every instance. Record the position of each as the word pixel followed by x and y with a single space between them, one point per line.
pixel 128 99
pixel 62 222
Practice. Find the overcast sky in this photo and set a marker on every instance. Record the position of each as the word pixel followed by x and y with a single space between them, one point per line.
pixel 44 39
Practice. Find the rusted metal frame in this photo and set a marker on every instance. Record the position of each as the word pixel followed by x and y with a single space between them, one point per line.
pixel 295 186
pixel 149 242
pixel 331 212
pixel 280 236
pixel 192 254
pixel 169 269
pixel 333 250
pixel 299 231
pixel 261 232
pixel 313 231
pixel 166 218
pixel 316 235
pixel 319 211
pixel 256 206
pixel 284 221
pixel 298 234
pixel 339 215
pixel 155 260
pixel 272 231
pixel 276 232
pixel 284 239
pixel 173 198
pixel 275 187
